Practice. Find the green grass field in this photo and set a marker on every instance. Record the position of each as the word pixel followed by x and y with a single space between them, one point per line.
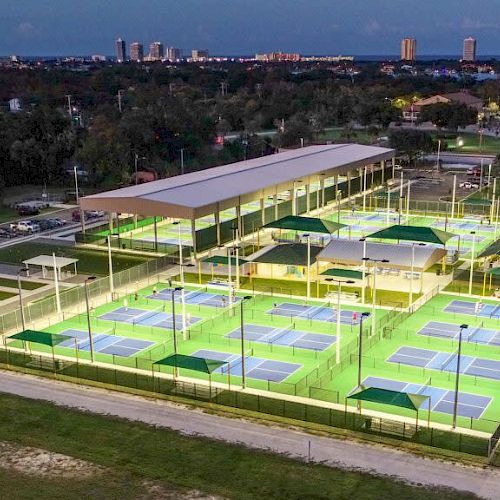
pixel 25 285
pixel 6 295
pixel 90 261
pixel 135 455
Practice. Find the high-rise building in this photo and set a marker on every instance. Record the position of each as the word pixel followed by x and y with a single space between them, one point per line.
pixel 173 53
pixel 156 51
pixel 199 55
pixel 408 49
pixel 136 52
pixel 469 53
pixel 121 50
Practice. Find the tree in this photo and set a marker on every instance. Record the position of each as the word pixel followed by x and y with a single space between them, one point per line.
pixel 448 115
pixel 411 143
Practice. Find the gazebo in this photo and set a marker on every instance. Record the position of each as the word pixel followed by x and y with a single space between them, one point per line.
pixel 51 262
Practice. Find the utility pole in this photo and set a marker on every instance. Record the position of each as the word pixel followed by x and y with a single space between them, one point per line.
pixel 70 110
pixel 120 95
pixel 182 161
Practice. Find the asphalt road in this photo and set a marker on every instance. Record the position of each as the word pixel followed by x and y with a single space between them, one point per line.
pixel 333 452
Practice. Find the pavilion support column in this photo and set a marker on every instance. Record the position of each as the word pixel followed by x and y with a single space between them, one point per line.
pixel 372 168
pixel 217 225
pixel 193 235
pixel 393 167
pixel 110 222
pixel 275 204
pixel 135 221
pixel 118 229
pixel 382 166
pixel 336 180
pixel 349 184
pixel 308 198
pixel 294 200
pixel 238 220
pixel 262 212
pixel 322 187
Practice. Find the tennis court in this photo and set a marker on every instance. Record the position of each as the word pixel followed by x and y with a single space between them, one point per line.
pixel 284 336
pixel 257 368
pixel 144 317
pixel 199 297
pixel 445 361
pixel 451 331
pixel 440 400
pixel 473 308
pixel 465 226
pixel 104 343
pixel 317 313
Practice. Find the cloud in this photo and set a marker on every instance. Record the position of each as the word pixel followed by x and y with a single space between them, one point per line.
pixel 372 27
pixel 25 28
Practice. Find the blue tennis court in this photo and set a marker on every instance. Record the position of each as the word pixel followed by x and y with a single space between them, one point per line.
pixel 447 362
pixel 105 343
pixel 473 308
pixel 465 226
pixel 478 335
pixel 317 313
pixel 145 317
pixel 440 400
pixel 285 337
pixel 363 229
pixel 199 297
pixel 257 368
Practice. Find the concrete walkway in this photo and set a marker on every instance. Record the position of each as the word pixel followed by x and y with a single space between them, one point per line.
pixel 332 452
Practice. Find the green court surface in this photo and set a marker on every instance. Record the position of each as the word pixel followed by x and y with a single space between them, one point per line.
pixel 337 386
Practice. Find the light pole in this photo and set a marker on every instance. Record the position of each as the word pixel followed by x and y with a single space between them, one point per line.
pixel 181 273
pixel 413 245
pixel 308 291
pixel 174 326
pixel 363 289
pixel 339 291
pixel 374 291
pixel 22 270
pixel 242 336
pixel 136 162
pixel 89 326
pixel 438 154
pixel 360 345
pixel 471 273
pixel 457 378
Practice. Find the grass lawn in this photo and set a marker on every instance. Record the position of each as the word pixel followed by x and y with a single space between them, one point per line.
pixel 25 285
pixel 6 295
pixel 135 452
pixel 7 214
pixel 490 145
pixel 90 261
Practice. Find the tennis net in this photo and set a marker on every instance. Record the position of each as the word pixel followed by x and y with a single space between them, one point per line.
pixel 234 363
pixel 445 365
pixel 274 337
pixel 495 312
pixel 474 332
pixel 146 315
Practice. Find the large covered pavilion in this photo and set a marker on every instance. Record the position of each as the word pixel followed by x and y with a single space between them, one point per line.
pixel 208 192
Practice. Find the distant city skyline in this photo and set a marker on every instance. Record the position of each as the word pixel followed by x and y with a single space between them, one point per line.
pixel 354 27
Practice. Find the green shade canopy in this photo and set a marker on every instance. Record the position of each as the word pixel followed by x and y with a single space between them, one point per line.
pixel 344 273
pixel 203 365
pixel 289 254
pixel 50 339
pixel 493 249
pixel 223 260
pixel 305 224
pixel 495 271
pixel 388 397
pixel 413 233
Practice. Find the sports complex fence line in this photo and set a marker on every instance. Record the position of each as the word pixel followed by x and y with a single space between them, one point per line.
pixel 316 413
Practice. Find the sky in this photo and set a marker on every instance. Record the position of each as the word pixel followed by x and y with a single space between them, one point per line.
pixel 234 27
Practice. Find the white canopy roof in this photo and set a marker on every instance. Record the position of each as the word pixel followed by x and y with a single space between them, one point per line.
pixel 48 261
pixel 350 252
pixel 197 194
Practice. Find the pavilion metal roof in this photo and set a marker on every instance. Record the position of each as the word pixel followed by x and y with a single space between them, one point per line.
pixel 197 194
pixel 350 252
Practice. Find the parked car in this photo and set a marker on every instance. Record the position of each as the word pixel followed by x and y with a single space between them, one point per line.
pixel 6 233
pixel 468 185
pixel 27 210
pixel 94 214
pixel 28 226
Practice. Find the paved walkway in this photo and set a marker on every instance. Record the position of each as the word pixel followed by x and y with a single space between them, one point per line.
pixel 332 452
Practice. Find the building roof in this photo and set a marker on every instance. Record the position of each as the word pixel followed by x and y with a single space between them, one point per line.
pixel 197 194
pixel 350 253
pixel 48 261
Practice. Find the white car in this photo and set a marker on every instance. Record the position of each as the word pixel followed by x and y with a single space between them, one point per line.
pixel 27 226
pixel 468 185
pixel 94 214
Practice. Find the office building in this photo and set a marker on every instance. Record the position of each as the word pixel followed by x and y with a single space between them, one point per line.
pixel 121 51
pixel 136 52
pixel 469 52
pixel 173 53
pixel 199 55
pixel 408 49
pixel 156 51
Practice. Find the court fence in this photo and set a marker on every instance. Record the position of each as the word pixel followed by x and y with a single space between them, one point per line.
pixel 73 297
pixel 314 412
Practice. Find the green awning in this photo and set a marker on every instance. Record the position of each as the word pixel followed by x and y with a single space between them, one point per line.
pixel 289 254
pixel 476 202
pixel 50 339
pixel 494 271
pixel 344 273
pixel 223 260
pixel 493 249
pixel 305 224
pixel 413 233
pixel 388 397
pixel 194 363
